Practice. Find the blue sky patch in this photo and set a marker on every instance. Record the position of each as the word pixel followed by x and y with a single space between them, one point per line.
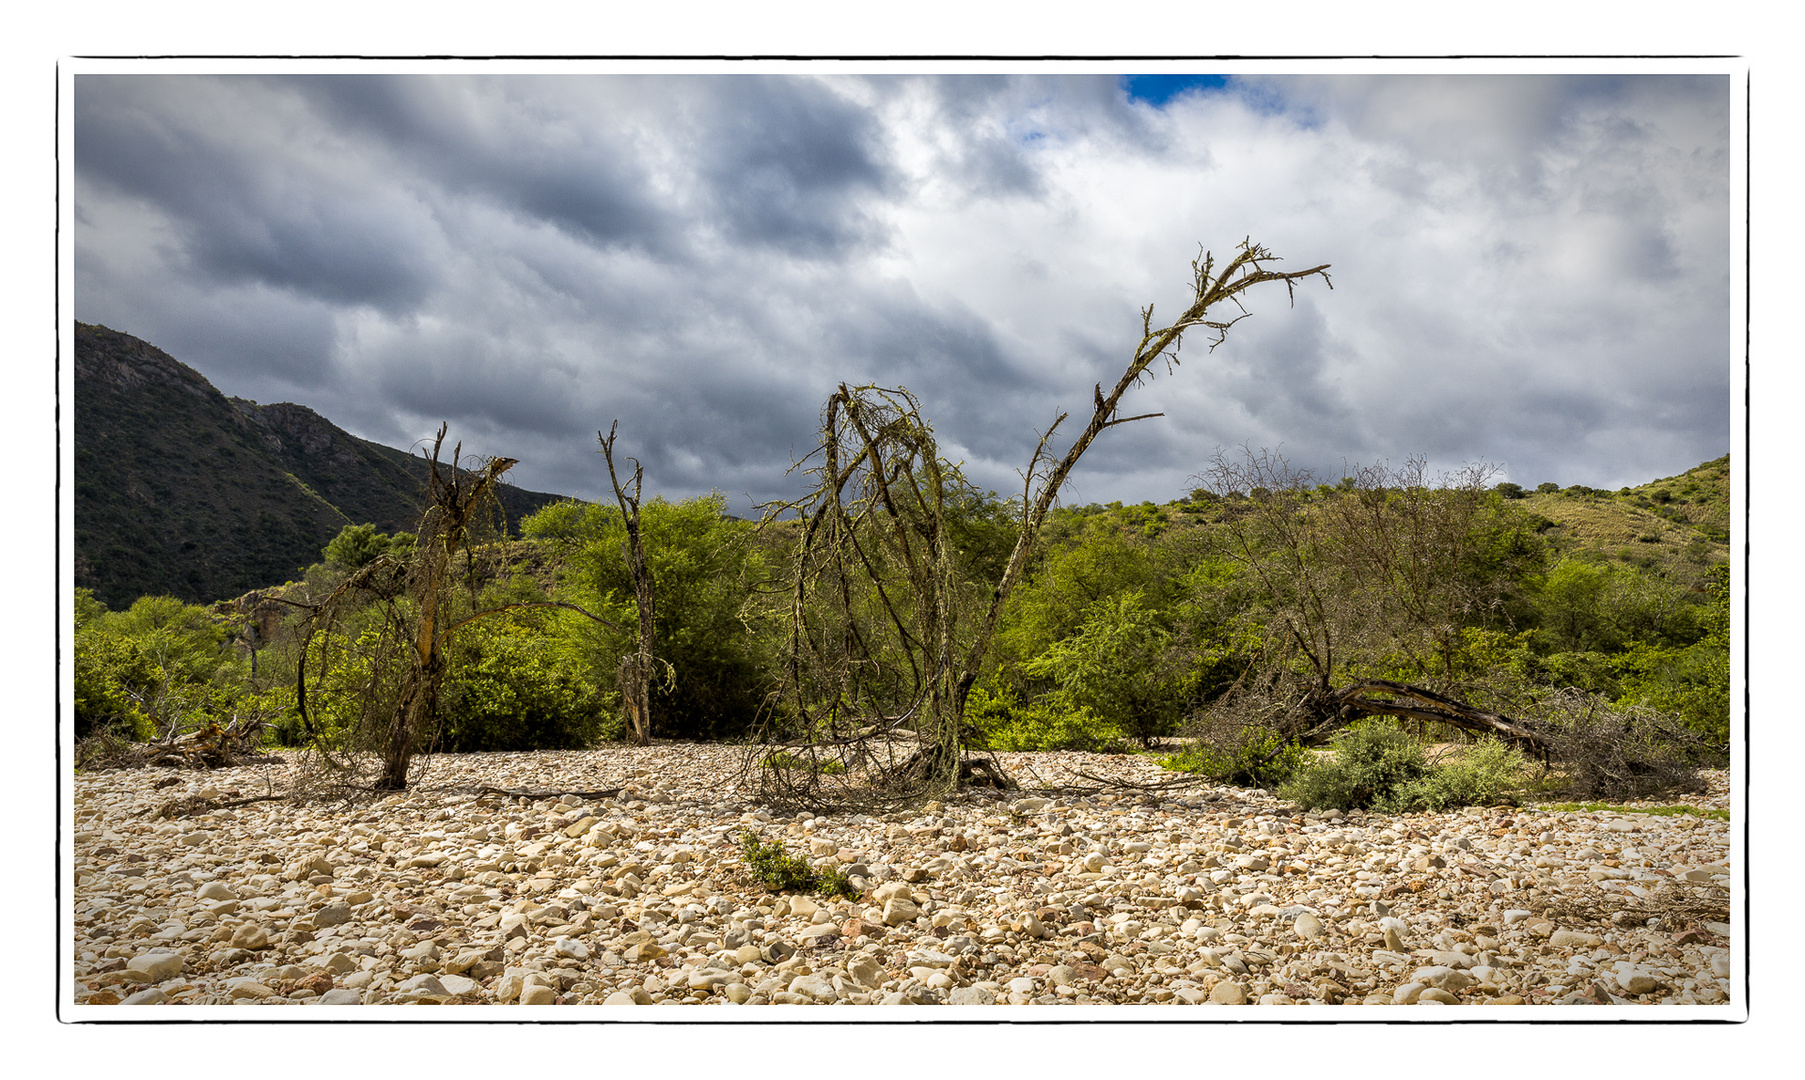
pixel 1156 90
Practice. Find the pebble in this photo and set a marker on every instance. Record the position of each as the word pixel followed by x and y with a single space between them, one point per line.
pixel 1224 896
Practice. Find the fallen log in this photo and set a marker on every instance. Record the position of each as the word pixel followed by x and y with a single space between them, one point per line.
pixel 1357 700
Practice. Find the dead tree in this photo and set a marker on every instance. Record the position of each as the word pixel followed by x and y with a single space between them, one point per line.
pixel 384 682
pixel 884 647
pixel 454 498
pixel 635 670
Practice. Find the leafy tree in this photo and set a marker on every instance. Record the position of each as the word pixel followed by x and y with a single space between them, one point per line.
pixel 146 669
pixel 113 679
pixel 512 685
pixel 1119 667
pixel 1693 681
pixel 1102 562
pixel 356 546
pixel 709 678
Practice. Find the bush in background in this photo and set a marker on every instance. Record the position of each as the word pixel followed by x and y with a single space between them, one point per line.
pixel 1000 722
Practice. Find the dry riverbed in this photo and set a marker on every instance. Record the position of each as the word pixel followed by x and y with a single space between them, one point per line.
pixel 1210 896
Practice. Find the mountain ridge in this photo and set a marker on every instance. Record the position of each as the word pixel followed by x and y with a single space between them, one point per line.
pixel 181 490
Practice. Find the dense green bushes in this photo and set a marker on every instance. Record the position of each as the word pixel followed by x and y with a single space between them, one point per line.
pixel 1135 623
pixel 512 686
pixel 142 670
pixel 358 545
pixel 716 667
pixel 1000 721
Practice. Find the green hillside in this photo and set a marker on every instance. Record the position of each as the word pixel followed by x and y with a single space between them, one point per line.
pixel 1678 524
pixel 182 491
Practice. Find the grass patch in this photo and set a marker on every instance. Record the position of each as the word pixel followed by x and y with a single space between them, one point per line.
pixel 782 872
pixel 1654 811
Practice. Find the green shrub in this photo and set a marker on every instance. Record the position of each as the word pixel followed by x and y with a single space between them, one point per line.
pixel 359 545
pixel 1371 762
pixel 1378 766
pixel 1000 722
pixel 704 565
pixel 782 872
pixel 1246 758
pixel 511 687
pixel 1118 670
pixel 1481 776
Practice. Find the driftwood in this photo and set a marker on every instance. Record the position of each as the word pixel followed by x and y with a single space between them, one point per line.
pixel 209 746
pixel 198 804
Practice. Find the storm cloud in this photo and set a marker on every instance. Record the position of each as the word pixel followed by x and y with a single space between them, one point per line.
pixel 1529 270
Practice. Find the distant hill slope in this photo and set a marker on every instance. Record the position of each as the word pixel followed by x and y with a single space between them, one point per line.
pixel 1680 522
pixel 180 490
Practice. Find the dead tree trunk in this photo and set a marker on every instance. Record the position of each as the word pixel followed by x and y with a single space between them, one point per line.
pixel 635 667
pixel 879 628
pixel 455 498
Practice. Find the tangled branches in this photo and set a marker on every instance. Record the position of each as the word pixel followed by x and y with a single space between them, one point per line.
pixel 887 639
pixel 210 745
pixel 377 643
pixel 873 685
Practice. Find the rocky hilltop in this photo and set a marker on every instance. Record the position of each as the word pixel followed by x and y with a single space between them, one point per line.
pixel 180 490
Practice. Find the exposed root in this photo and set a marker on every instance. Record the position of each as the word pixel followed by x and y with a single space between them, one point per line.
pixel 1676 903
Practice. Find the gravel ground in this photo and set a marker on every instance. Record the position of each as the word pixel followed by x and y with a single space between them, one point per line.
pixel 1211 895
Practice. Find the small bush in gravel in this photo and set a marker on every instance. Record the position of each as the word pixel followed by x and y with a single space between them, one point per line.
pixel 1378 766
pixel 1371 762
pixel 783 872
pixel 1247 757
pixel 1481 776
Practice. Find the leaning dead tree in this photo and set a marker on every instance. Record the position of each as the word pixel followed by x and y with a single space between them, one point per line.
pixel 887 639
pixel 635 672
pixel 373 652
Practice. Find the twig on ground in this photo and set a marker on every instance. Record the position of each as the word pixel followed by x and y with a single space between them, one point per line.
pixel 606 793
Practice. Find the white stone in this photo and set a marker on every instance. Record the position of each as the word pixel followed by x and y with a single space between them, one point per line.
pixel 570 948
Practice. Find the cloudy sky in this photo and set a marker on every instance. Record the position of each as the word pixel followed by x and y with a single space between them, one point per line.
pixel 1531 271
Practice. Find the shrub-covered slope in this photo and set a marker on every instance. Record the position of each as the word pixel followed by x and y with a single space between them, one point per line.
pixel 180 490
